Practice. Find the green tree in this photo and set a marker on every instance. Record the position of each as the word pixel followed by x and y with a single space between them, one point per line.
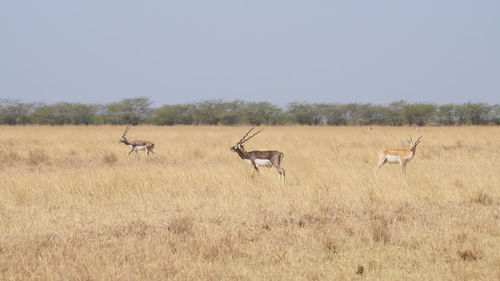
pixel 257 113
pixel 173 114
pixel 54 114
pixel 334 114
pixel 472 113
pixel 368 114
pixel 446 114
pixel 229 113
pixel 14 112
pixel 495 114
pixel 418 114
pixel 393 113
pixel 207 112
pixel 304 114
pixel 83 113
pixel 129 111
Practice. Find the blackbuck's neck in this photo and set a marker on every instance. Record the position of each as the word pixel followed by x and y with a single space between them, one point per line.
pixel 125 141
pixel 242 153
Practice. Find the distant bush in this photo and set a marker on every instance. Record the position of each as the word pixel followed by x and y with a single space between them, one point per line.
pixel 217 112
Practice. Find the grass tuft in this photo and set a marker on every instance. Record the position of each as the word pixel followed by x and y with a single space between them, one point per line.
pixel 37 157
pixel 468 255
pixel 182 225
pixel 381 232
pixel 110 158
pixel 483 198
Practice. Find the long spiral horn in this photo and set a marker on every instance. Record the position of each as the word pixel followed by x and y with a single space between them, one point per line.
pixel 252 136
pixel 240 141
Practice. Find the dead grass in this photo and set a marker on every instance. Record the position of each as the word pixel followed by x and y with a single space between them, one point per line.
pixel 110 158
pixel 483 198
pixel 75 206
pixel 37 157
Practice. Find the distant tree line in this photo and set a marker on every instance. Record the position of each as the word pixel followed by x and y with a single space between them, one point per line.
pixel 217 112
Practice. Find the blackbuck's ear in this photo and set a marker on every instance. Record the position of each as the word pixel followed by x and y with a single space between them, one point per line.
pixel 410 140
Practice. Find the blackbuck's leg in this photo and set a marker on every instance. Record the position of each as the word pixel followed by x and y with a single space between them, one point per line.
pixel 254 165
pixel 282 173
pixel 279 173
pixel 380 163
pixel 136 154
pixel 132 150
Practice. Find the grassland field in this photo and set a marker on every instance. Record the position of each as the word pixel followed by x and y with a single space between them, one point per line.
pixel 75 206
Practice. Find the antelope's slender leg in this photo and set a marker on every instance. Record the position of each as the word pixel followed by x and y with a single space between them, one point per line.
pixel 380 163
pixel 281 172
pixel 254 165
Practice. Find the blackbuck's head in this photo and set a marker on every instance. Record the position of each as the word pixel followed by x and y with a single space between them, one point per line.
pixel 239 145
pixel 124 136
pixel 412 145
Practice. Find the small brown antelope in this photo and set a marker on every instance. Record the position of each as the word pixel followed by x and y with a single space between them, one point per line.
pixel 256 158
pixel 137 144
pixel 398 155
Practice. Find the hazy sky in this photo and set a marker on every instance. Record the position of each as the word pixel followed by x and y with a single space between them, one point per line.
pixel 276 51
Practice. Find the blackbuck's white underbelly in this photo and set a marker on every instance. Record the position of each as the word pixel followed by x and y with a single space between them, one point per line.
pixel 139 147
pixel 396 159
pixel 260 162
pixel 393 159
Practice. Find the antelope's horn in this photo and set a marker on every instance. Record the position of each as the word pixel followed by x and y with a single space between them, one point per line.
pixel 125 132
pixel 245 136
pixel 253 135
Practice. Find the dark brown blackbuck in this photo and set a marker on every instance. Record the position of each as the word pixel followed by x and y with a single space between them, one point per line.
pixel 137 145
pixel 256 158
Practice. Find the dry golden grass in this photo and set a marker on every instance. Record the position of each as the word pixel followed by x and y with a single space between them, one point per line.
pixel 74 206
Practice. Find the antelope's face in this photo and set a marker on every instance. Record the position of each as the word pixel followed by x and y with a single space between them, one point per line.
pixel 122 139
pixel 412 145
pixel 237 147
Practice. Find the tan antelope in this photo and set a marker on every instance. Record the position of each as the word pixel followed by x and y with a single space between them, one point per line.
pixel 137 144
pixel 256 158
pixel 399 156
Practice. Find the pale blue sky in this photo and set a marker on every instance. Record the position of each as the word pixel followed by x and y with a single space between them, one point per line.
pixel 276 51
